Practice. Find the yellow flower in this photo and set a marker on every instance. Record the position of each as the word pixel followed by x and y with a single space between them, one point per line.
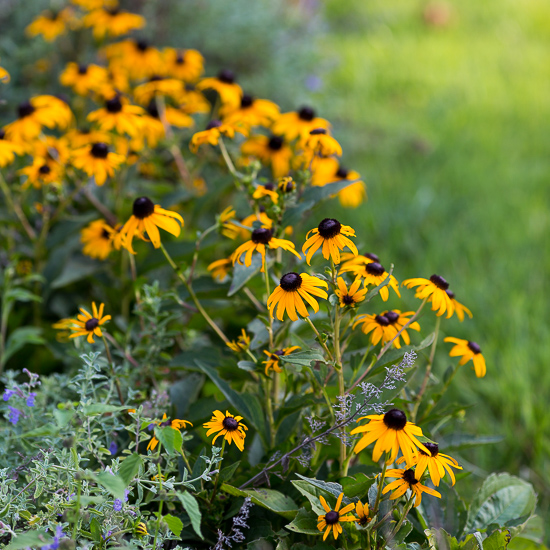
pixel 373 273
pixel 319 142
pixel 79 137
pixel 362 510
pixel 332 519
pixel 251 112
pixel 97 161
pixel 435 290
pixel 41 172
pixel 291 293
pixel 241 344
pixel 4 75
pixel 153 128
pixel 84 79
pixel 266 190
pixel 259 240
pixel 211 135
pixel 467 350
pixel 271 150
pixel 220 269
pixel 228 426
pixel 141 529
pixel 89 325
pixel 193 102
pixel 229 91
pixel 351 297
pixel 95 4
pixel 460 309
pixel 64 327
pixel 148 216
pixel 52 149
pixel 175 424
pixel 226 225
pixel 273 358
pixel 379 325
pixel 298 124
pixel 286 184
pixel 398 320
pixel 332 235
pixel 112 21
pixel 99 239
pixel 118 115
pixel 50 24
pixel 187 65
pixel 407 479
pixel 392 432
pixel 157 86
pixel 8 150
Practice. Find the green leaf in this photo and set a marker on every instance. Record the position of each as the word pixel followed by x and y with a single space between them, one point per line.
pixel 75 270
pixel 303 358
pixel 461 441
pixel 30 539
pixel 113 484
pixel 63 416
pixel 243 274
pixel 174 524
pixel 227 473
pixel 449 512
pixel 357 486
pixel 21 295
pixel 312 489
pixel 531 536
pixel 95 530
pixel 266 498
pixel 170 438
pixel 190 505
pixel 503 499
pixel 101 408
pixel 47 429
pixel 20 337
pixel 129 467
pixel 498 540
pixel 247 365
pixel 305 522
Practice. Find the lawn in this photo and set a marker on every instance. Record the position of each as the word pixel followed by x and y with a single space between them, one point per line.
pixel 448 124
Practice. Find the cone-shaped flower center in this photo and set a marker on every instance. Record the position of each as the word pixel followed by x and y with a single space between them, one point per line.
pixel 433 448
pixel 141 45
pixel 213 124
pixel 44 169
pixel 317 132
pixel 230 424
pixel 372 257
pixel 152 109
pixel 275 143
pixel 395 419
pixel 391 316
pixel 306 113
pixel 374 268
pixel 291 281
pixel 143 208
pixel 269 186
pixel 474 347
pixel 246 101
pixel 347 299
pixel 450 294
pixel 99 150
pixel 25 109
pixel 408 476
pixel 226 76
pixel 105 234
pixel 113 105
pixel 439 282
pixel 91 324
pixel 332 517
pixel 382 320
pixel 82 69
pixel 112 11
pixel 261 235
pixel 329 228
pixel 342 172
pixel 180 59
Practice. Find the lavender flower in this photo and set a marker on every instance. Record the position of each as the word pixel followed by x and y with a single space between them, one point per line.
pixel 8 394
pixel 59 534
pixel 113 448
pixel 31 399
pixel 14 415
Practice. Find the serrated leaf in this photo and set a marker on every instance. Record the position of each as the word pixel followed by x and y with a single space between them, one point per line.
pixel 174 524
pixel 190 505
pixel 129 467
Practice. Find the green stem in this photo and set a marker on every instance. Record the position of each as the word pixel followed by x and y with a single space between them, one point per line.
pixel 15 207
pixel 407 509
pixel 229 162
pixel 379 493
pixel 319 338
pixel 161 501
pixel 77 509
pixel 218 474
pixel 431 406
pixel 111 364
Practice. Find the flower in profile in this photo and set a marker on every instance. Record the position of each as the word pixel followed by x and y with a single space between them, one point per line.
pixel 99 239
pixel 259 240
pixel 187 65
pixel 407 479
pixel 220 269
pixel 228 426
pixel 320 142
pixel 229 91
pixel 87 324
pixel 293 289
pixel 272 150
pixel 141 529
pixel 436 463
pixel 64 327
pixel 460 309
pixel 351 297
pixel 286 184
pixel 41 172
pixel 165 422
pixel 398 320
pixel 251 112
pixel 332 519
pixel 14 415
pixel 362 510
pixel 332 235
pixel 392 432
pixel 83 79
pixel 373 273
pixel 112 21
pixel 118 115
pixel 212 134
pixel 147 216
pixel 467 350
pixel 97 161
pixel 298 124
pixel 242 343
pixel 380 327
pixel 266 190
pixel 273 358
pixel 435 290
pixel 50 24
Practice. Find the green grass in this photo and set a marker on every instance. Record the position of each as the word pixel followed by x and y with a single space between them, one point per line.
pixel 449 126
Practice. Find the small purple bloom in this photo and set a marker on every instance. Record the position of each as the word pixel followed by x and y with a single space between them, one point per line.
pixel 117 505
pixel 8 394
pixel 14 415
pixel 113 448
pixel 56 539
pixel 30 399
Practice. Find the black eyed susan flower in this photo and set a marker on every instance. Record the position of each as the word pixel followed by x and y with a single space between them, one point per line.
pixel 266 190
pixel 193 102
pixel 52 149
pixel 211 135
pixel 272 150
pixel 41 172
pixel 112 21
pixel 226 223
pixel 320 142
pixel 373 273
pixel 467 350
pixel 229 91
pixel 141 529
pixel 148 217
pixel 90 5
pixel 97 161
pixel 407 480
pixel 251 112
pixel 153 129
pixel 261 239
pixel 460 309
pixel 118 115
pixel 83 79
pixel 8 149
pixel 4 75
pixel 332 519
pixel 435 289
pixel 436 463
pixel 99 239
pixel 392 432
pixel 220 269
pixel 331 234
pixel 79 137
pixel 158 87
pixel 351 297
pixel 362 510
pixel 293 289
pixel 242 343
pixel 380 326
pixel 89 325
pixel 228 426
pixel 51 24
pixel 186 65
pixel 298 124
pixel 286 184
pixel 165 422
pixel 398 320
pixel 273 358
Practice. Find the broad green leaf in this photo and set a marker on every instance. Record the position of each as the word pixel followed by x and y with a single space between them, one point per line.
pixel 30 539
pixel 305 522
pixel 48 429
pixel 357 486
pixel 303 358
pixel 267 498
pixel 312 491
pixel 190 505
pixel 227 473
pixel 174 524
pixel 449 512
pixel 21 337
pixel 113 484
pixel 129 467
pixel 503 499
pixel 498 540
pixel 63 416
pixel 531 536
pixel 243 274
pixel 170 438
pixel 461 441
pixel 75 270
pixel 21 295
pixel 95 530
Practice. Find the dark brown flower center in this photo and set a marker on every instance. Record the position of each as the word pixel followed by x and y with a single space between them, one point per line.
pixel 213 124
pixel 25 109
pixel 82 69
pixel 382 320
pixel 105 234
pixel 112 11
pixel 395 419
pixel 143 208
pixel 142 45
pixel 433 448
pixel 408 476
pixel 99 150
pixel 275 143
pixel 474 347
pixel 2 133
pixel 317 132
pixel 246 101
pixel 152 109
pixel 226 76
pixel 165 423
pixel 269 186
pixel 329 228
pixel 332 517
pixel 342 172
pixel 374 268
pixel 372 257
pixel 306 113
pixel 44 169
pixel 261 235
pixel 291 281
pixel 91 324
pixel 391 316
pixel 450 294
pixel 113 105
pixel 230 424
pixel 180 58
pixel 348 300
pixel 439 282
